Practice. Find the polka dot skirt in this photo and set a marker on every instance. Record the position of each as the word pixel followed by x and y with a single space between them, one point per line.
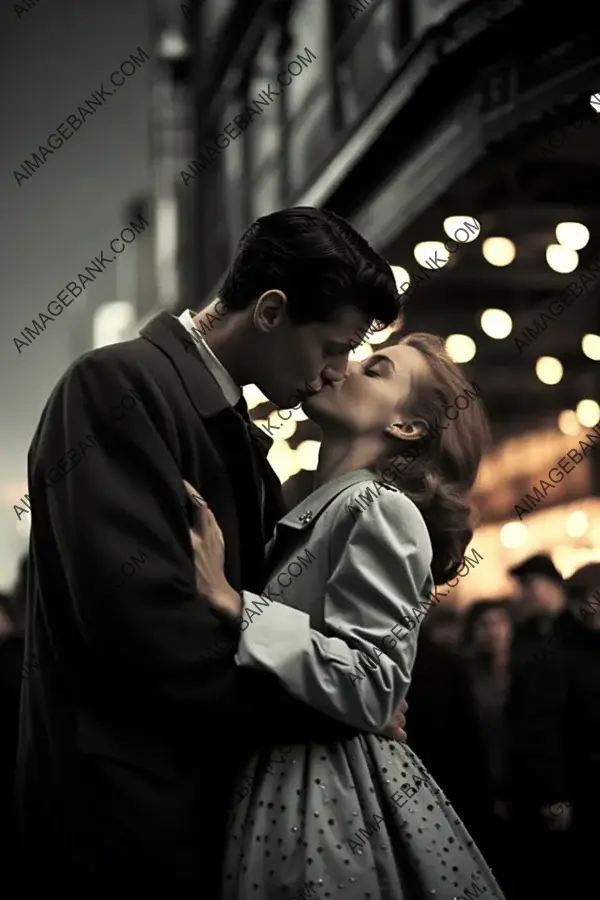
pixel 358 820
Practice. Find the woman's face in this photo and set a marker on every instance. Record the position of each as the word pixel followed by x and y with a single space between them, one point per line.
pixel 371 396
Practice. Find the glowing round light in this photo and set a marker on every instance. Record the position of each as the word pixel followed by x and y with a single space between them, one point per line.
pixel 460 348
pixel 379 337
pixel 307 454
pixel 513 535
pixel 498 251
pixel 361 352
pixel 401 277
pixel 549 370
pixel 455 224
pixel 568 422
pixel 588 413
pixel 172 44
pixel 283 460
pixel 253 396
pixel 590 344
pixel 496 323
pixel 573 235
pixel 431 255
pixel 577 523
pixel 561 259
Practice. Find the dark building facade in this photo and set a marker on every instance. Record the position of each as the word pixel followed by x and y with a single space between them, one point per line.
pixel 399 114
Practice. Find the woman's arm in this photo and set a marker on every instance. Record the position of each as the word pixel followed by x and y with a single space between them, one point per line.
pixel 357 671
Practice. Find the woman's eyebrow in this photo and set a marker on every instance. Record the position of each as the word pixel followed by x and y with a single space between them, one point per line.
pixel 380 357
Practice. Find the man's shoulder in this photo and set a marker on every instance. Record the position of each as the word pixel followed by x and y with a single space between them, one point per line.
pixel 122 358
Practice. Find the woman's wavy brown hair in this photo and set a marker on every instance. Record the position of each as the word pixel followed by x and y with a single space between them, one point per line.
pixel 440 469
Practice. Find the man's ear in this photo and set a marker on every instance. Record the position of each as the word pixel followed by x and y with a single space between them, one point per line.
pixel 412 430
pixel 269 310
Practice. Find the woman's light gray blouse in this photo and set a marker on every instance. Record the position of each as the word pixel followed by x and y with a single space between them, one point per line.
pixel 355 561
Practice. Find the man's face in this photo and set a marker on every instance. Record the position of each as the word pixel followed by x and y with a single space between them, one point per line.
pixel 543 596
pixel 303 358
pixel 446 632
pixel 492 631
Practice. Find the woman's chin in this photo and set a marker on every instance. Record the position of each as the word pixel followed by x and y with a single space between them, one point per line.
pixel 315 408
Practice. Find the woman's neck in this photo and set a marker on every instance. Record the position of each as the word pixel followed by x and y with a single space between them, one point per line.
pixel 338 457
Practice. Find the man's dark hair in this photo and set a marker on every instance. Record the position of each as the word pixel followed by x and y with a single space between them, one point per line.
pixel 319 262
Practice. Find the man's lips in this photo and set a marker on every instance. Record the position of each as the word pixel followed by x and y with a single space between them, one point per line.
pixel 304 395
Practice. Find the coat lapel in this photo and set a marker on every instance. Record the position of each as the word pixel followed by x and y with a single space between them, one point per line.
pixel 229 433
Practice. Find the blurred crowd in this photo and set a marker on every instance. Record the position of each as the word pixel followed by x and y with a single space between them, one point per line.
pixel 504 710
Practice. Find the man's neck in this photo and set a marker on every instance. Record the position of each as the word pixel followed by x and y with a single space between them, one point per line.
pixel 223 332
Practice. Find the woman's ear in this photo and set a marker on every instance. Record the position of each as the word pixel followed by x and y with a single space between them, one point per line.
pixel 408 431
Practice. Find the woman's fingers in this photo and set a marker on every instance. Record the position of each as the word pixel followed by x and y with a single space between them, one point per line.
pixel 193 493
pixel 198 502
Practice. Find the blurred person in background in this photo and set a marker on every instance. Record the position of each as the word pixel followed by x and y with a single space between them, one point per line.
pixel 541 600
pixel 134 717
pixel 539 804
pixel 441 702
pixel 487 653
pixel 444 625
pixel 568 713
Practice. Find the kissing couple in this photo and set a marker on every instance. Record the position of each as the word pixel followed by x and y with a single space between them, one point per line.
pixel 197 725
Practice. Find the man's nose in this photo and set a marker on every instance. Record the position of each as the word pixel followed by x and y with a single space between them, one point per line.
pixel 335 373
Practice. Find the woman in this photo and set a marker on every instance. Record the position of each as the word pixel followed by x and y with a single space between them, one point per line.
pixel 354 567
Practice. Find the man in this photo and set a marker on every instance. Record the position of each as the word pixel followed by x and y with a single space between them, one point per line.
pixel 542 600
pixel 535 762
pixel 135 719
pixel 570 718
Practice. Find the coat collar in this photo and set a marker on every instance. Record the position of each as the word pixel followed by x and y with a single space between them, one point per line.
pixel 306 513
pixel 168 334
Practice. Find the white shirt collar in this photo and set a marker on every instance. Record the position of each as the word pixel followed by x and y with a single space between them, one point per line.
pixel 216 368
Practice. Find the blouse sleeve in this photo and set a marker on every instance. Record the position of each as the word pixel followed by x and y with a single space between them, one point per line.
pixel 358 670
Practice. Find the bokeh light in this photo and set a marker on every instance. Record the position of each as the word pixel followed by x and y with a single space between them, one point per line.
pixel 460 348
pixel 498 251
pixel 496 323
pixel 549 370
